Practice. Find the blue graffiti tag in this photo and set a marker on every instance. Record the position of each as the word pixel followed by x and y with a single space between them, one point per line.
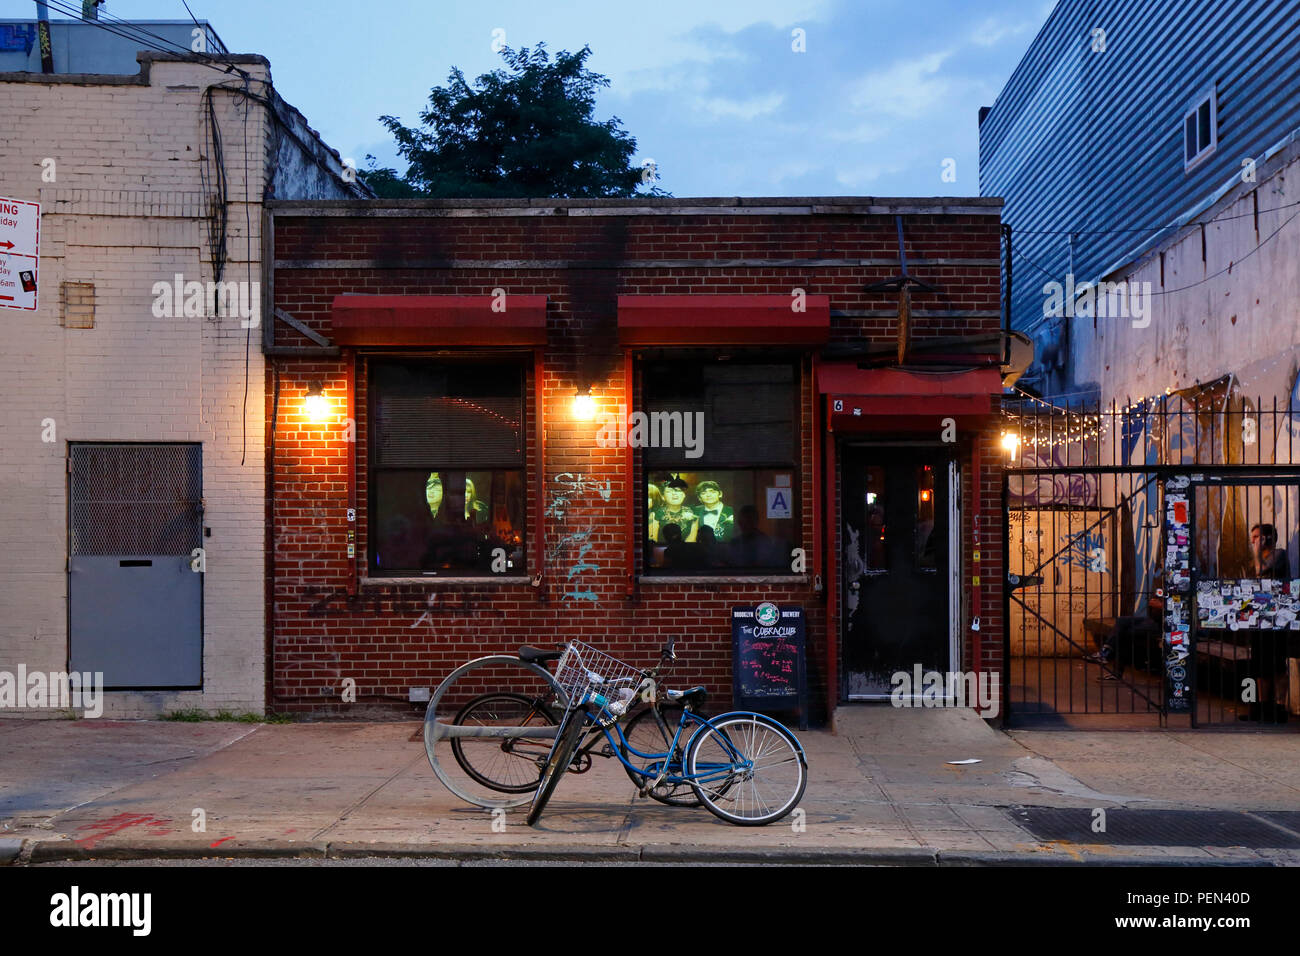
pixel 1086 550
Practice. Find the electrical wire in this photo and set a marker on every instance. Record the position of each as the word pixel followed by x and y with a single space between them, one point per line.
pixel 137 34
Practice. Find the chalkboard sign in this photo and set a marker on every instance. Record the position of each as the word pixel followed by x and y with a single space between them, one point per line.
pixel 767 643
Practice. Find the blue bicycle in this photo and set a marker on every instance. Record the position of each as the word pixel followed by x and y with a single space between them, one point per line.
pixel 746 768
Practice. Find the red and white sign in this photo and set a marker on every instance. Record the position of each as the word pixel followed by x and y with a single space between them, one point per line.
pixel 20 241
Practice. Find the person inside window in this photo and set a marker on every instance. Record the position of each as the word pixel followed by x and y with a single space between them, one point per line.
pixel 672 512
pixel 476 511
pixel 1267 560
pixel 750 546
pixel 449 531
pixel 712 512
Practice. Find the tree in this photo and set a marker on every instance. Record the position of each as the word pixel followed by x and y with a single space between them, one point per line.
pixel 526 132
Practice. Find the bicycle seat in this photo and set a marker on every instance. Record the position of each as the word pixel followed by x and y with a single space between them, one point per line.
pixel 535 655
pixel 694 697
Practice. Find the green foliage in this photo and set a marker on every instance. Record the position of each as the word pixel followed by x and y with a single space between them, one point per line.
pixel 195 715
pixel 528 131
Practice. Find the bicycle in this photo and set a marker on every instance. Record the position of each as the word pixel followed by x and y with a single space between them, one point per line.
pixel 744 767
pixel 516 764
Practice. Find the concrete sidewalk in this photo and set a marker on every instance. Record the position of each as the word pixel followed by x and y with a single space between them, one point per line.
pixel 882 789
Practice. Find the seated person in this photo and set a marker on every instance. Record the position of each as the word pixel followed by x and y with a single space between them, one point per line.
pixel 1267 559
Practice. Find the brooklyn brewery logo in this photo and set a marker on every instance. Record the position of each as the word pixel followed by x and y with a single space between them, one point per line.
pixel 767 614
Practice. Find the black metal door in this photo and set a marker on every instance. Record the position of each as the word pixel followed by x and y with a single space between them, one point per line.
pixel 896 513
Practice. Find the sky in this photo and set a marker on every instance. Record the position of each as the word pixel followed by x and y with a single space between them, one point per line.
pixel 883 99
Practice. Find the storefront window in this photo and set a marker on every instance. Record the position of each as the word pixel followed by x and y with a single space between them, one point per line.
pixel 722 486
pixel 447 469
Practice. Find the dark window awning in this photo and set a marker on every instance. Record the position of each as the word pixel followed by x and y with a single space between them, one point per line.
pixel 910 398
pixel 660 320
pixel 435 320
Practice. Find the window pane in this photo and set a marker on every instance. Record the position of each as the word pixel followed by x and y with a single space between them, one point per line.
pixel 1203 116
pixel 724 520
pixel 447 521
pixel 723 414
pixel 1189 139
pixel 471 415
pixel 923 543
pixel 874 542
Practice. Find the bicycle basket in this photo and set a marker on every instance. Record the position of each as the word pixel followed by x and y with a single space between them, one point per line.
pixel 582 668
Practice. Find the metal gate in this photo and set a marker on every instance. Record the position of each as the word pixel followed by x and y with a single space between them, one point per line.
pixel 1127 533
pixel 135 605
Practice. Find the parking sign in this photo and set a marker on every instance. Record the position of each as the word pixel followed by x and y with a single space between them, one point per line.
pixel 20 239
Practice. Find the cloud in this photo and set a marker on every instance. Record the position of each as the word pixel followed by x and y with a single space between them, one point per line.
pixel 991 32
pixel 906 88
pixel 752 108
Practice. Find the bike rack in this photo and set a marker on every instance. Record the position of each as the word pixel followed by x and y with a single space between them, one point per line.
pixel 434 730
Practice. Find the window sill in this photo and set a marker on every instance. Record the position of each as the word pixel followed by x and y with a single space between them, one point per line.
pixel 654 579
pixel 367 582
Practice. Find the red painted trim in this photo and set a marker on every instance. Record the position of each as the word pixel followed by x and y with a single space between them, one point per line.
pixel 350 386
pixel 832 572
pixel 722 320
pixel 539 499
pixel 845 379
pixel 629 477
pixel 977 594
pixel 819 498
pixel 438 320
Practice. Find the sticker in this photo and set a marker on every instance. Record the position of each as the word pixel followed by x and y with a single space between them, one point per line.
pixel 779 501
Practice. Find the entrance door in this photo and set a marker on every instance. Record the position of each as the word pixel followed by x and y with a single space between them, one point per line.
pixel 898 509
pixel 134 604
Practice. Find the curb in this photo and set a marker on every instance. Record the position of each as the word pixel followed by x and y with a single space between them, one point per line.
pixel 10 849
pixel 58 851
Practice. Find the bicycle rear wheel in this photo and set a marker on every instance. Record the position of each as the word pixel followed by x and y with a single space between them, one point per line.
pixel 510 765
pixel 566 742
pixel 747 769
pixel 643 733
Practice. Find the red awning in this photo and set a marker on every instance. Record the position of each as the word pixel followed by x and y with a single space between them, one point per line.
pixel 439 320
pixel 723 320
pixel 907 398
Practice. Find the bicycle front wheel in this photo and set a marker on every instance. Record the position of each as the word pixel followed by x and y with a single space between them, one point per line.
pixel 566 742
pixel 747 769
pixel 509 765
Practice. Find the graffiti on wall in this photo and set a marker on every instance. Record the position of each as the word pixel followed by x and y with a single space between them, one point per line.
pixel 569 507
pixel 1037 491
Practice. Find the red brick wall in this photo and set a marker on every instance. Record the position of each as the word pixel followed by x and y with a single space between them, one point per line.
pixel 393 636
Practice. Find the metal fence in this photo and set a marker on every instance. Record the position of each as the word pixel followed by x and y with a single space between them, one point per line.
pixel 1135 590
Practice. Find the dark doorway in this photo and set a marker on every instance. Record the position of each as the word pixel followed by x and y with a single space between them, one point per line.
pixel 897 510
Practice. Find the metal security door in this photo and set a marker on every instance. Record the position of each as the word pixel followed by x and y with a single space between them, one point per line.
pixel 898 509
pixel 135 607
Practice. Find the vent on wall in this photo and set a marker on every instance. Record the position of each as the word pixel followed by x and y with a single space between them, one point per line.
pixel 78 305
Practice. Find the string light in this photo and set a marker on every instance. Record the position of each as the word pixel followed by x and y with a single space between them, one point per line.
pixel 1078 425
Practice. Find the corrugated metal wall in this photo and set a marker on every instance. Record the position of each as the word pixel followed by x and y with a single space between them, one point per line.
pixel 1082 140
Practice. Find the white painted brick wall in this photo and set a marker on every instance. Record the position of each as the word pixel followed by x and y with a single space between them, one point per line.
pixel 124 213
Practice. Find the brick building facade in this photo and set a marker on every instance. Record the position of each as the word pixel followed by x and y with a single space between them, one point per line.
pixel 733 309
pixel 131 424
